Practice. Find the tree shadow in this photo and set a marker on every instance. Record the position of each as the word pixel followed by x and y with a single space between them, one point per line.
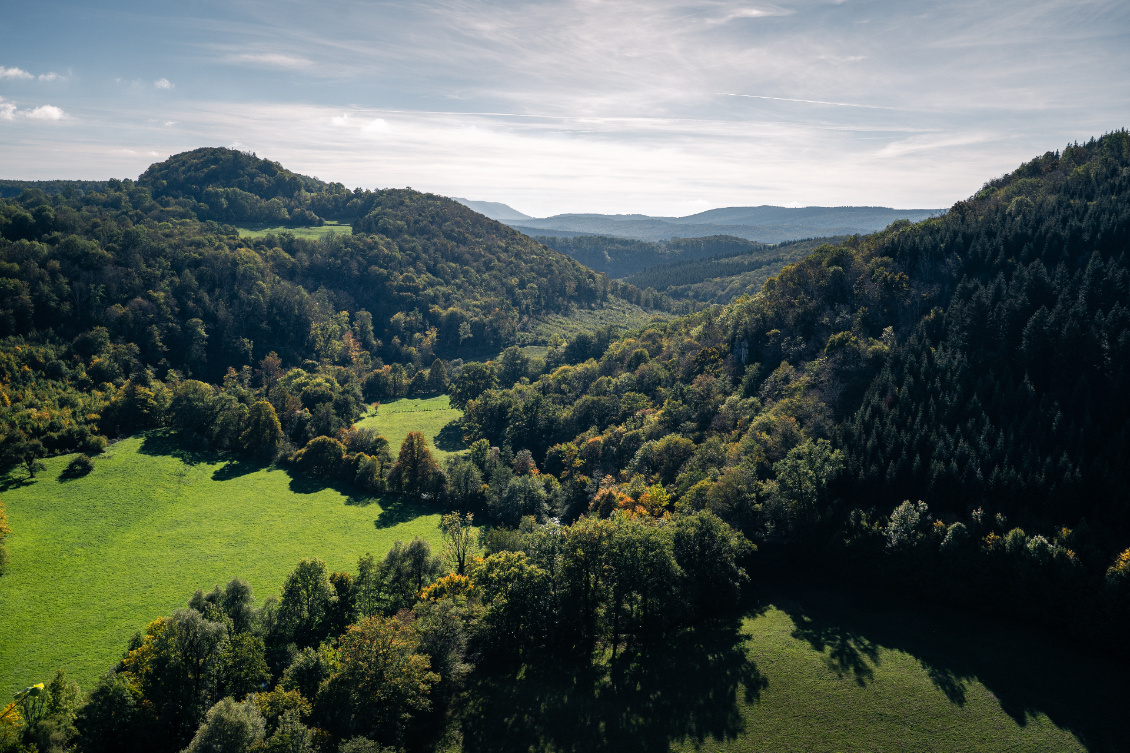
pixel 236 467
pixel 678 690
pixel 846 652
pixel 187 448
pixel 401 508
pixel 394 509
pixel 450 438
pixel 67 475
pixel 1027 673
pixel 15 479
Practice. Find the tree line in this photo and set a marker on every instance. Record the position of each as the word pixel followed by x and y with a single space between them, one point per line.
pixel 372 660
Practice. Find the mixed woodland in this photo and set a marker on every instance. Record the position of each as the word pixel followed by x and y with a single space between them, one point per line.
pixel 938 410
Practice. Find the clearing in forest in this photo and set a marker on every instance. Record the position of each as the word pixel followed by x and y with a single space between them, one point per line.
pixel 433 416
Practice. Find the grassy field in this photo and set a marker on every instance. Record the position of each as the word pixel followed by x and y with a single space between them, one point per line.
pixel 314 233
pixel 812 671
pixel 616 312
pixel 433 416
pixel 96 558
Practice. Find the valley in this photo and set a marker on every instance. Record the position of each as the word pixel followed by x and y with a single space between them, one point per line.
pixel 432 484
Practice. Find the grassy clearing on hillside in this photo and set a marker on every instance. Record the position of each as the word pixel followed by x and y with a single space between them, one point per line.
pixel 615 312
pixel 433 416
pixel 96 558
pixel 313 233
pixel 811 671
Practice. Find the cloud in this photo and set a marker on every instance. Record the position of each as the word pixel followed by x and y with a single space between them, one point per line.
pixel 271 60
pixel 21 74
pixel 164 83
pixel 738 13
pixel 376 125
pixel 18 73
pixel 814 102
pixel 45 112
pixel 9 111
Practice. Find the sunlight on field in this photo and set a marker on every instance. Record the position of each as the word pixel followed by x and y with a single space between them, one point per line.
pixel 94 559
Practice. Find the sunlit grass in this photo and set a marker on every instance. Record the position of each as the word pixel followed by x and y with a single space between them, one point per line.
pixel 96 558
pixel 314 233
pixel 433 416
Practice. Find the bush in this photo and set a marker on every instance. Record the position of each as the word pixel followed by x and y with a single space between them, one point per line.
pixel 80 466
pixel 95 444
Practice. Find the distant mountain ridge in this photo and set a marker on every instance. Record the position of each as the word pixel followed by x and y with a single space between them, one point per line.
pixel 767 224
pixel 493 209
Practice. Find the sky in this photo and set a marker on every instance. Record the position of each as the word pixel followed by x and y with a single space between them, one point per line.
pixel 659 107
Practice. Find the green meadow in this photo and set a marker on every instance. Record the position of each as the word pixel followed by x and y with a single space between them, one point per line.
pixel 813 671
pixel 312 233
pixel 432 416
pixel 96 558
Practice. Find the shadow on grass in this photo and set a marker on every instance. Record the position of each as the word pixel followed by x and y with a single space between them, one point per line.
pixel 300 483
pixel 186 448
pixel 395 509
pixel 67 474
pixel 450 438
pixel 15 479
pixel 685 688
pixel 236 467
pixel 398 508
pixel 1027 673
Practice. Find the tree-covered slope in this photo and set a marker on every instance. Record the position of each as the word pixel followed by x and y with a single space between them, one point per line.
pixel 99 286
pixel 975 362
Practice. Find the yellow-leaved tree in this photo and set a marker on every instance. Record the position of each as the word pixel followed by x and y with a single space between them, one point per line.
pixel 5 529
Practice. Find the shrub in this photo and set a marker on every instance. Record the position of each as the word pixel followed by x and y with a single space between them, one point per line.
pixel 95 444
pixel 80 466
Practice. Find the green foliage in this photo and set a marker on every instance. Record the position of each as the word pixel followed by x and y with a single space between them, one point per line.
pixel 309 669
pixel 229 727
pixel 305 603
pixel 472 381
pixel 107 718
pixel 382 685
pixel 79 466
pixel 458 540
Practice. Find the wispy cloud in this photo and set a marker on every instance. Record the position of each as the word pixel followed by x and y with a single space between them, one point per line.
pixel 815 102
pixel 270 60
pixel 164 83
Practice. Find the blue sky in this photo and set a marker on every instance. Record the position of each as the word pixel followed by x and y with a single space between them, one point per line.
pixel 655 107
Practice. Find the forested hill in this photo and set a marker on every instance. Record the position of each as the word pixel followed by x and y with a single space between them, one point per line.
pixel 142 260
pixel 714 269
pixel 622 257
pixel 976 362
pixel 140 278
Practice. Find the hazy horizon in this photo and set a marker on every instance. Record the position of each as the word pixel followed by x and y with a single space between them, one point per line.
pixel 658 108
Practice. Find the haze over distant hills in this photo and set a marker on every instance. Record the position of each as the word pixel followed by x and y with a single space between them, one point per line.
pixel 768 224
pixel 493 209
